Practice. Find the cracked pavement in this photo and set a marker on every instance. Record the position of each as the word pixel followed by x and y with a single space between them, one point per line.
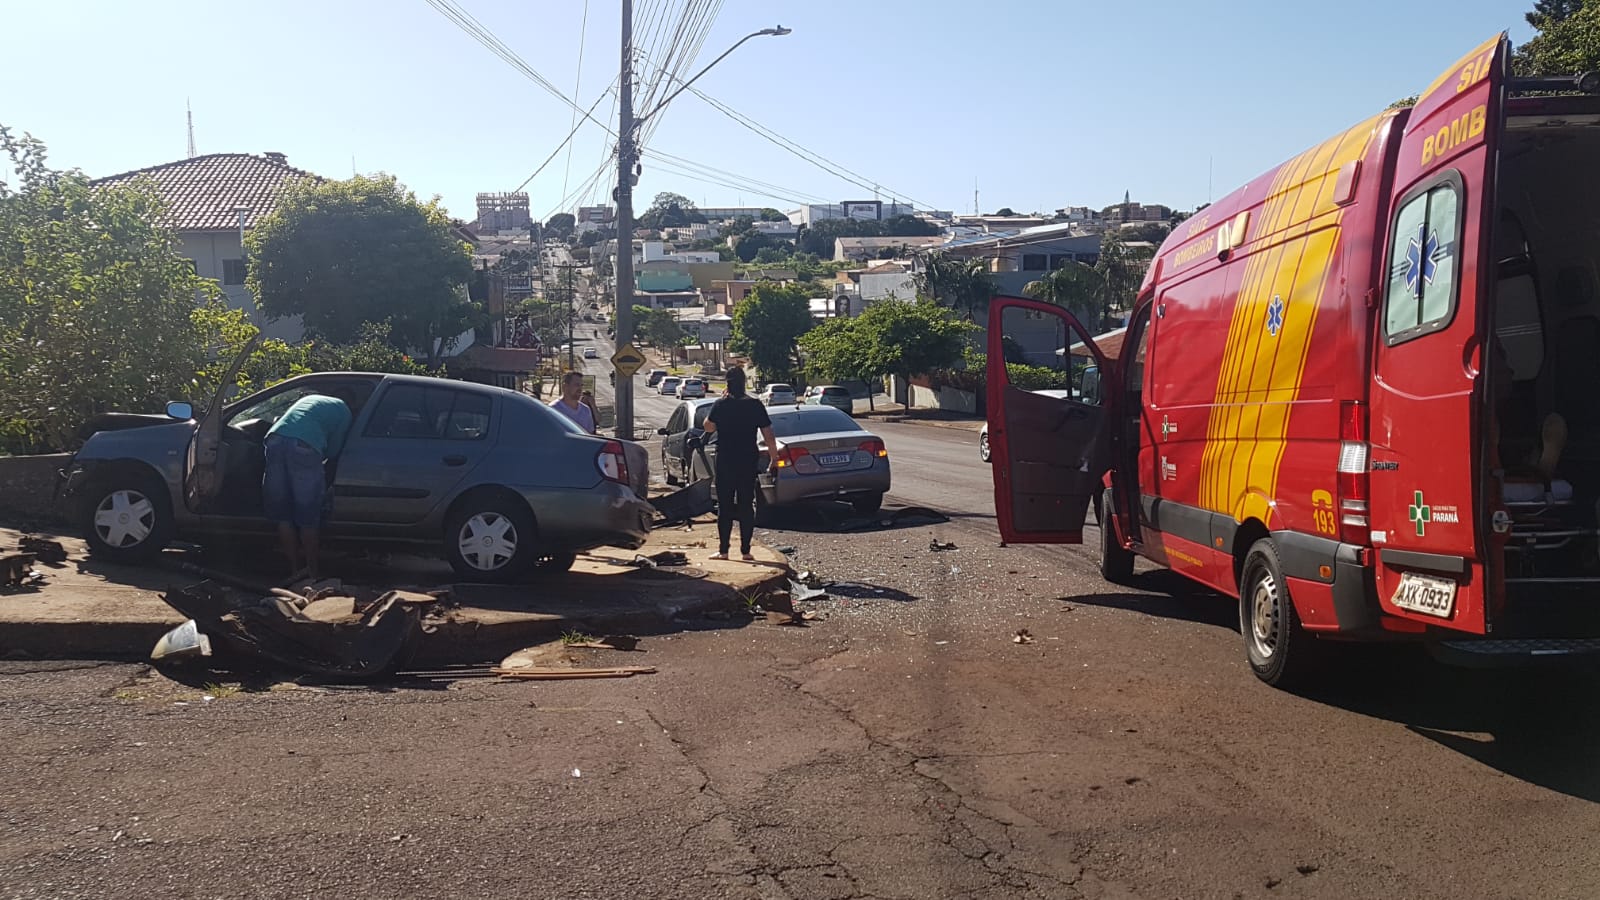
pixel 900 746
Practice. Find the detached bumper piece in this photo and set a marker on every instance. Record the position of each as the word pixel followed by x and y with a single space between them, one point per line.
pixel 1514 651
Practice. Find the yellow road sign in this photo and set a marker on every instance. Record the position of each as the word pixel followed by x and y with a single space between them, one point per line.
pixel 627 360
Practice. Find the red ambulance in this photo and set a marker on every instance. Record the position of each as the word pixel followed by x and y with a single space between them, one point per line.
pixel 1361 393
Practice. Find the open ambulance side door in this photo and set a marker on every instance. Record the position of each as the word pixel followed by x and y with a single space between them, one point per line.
pixel 202 466
pixel 1050 444
pixel 1427 394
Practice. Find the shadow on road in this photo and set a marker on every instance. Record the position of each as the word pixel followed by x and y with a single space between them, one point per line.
pixel 1166 595
pixel 830 518
pixel 1541 725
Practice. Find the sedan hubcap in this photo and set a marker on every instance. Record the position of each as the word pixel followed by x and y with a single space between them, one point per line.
pixel 487 541
pixel 1264 617
pixel 124 518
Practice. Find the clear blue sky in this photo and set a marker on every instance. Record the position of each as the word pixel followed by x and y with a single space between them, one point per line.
pixel 1046 103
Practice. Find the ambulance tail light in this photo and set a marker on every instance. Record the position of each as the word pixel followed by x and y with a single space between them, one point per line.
pixel 1353 452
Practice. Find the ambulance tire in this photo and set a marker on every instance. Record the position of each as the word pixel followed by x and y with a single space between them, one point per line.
pixel 1116 561
pixel 1279 650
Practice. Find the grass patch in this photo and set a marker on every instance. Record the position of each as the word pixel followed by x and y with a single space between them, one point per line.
pixel 576 637
pixel 221 691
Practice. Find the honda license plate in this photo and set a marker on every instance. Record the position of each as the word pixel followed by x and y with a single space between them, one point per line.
pixel 833 459
pixel 1426 594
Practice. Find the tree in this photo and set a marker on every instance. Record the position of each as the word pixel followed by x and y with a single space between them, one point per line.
pixel 768 323
pixel 1567 42
pixel 902 339
pixel 751 243
pixel 560 225
pixel 1153 232
pixel 908 226
pixel 961 284
pixel 771 215
pixel 344 253
pixel 669 210
pixel 1121 269
pixel 775 253
pixel 658 326
pixel 1005 211
pixel 1075 287
pixel 98 311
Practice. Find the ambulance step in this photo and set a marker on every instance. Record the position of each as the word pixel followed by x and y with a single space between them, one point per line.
pixel 1506 651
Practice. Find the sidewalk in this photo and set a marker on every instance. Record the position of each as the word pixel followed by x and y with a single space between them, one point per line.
pixel 887 411
pixel 90 609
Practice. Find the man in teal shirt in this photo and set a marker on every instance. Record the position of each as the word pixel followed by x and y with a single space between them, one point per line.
pixel 295 483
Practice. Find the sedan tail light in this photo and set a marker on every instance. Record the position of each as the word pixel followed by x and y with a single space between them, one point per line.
pixel 876 448
pixel 788 454
pixel 612 461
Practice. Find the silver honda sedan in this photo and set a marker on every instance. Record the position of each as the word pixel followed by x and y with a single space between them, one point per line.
pixel 498 482
pixel 822 454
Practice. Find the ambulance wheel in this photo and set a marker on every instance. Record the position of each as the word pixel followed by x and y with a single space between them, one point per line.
pixel 1279 650
pixel 1116 561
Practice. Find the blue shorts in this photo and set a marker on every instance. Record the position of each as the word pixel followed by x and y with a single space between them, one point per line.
pixel 294 486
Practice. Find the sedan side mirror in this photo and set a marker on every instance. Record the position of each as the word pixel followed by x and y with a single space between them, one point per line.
pixel 662 431
pixel 180 410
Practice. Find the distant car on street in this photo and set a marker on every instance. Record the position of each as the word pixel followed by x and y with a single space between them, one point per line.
pixel 692 387
pixel 687 421
pixel 655 377
pixel 495 481
pixel 590 353
pixel 778 395
pixel 822 455
pixel 831 395
pixel 669 385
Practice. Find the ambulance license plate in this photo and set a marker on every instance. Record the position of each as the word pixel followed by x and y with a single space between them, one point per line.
pixel 1426 594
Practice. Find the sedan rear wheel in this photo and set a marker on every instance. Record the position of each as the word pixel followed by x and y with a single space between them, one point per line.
pixel 491 540
pixel 983 446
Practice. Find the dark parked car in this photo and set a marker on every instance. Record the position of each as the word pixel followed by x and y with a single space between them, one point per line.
pixel 823 454
pixel 494 480
pixel 687 421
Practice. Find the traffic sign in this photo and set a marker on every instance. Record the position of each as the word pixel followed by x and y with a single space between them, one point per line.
pixel 627 360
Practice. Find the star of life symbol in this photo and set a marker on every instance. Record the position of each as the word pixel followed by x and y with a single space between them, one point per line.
pixel 1275 316
pixel 1423 254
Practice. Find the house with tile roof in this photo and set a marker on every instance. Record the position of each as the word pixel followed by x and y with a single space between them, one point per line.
pixel 213 199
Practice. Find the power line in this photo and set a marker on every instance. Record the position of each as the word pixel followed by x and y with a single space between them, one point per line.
pixel 565 142
pixel 577 91
pixel 816 159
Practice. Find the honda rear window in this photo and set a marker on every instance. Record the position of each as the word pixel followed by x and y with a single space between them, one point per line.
pixel 812 420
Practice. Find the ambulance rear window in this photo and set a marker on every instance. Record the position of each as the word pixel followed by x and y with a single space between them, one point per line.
pixel 1421 295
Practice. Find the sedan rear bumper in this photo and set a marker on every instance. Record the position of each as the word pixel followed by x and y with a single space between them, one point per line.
pixel 610 515
pixel 792 487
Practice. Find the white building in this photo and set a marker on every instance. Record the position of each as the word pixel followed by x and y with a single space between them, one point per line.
pixel 212 200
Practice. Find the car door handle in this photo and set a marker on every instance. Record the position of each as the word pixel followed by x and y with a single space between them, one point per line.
pixel 455 460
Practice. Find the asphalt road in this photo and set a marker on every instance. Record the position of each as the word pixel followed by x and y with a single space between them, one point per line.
pixel 904 745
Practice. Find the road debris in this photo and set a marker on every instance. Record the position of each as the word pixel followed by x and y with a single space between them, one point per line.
pixel 1022 637
pixel 938 546
pixel 16 571
pixel 609 642
pixel 556 674
pixel 336 636
pixel 800 590
pixel 43 549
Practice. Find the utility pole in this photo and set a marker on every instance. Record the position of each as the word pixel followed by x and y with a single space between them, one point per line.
pixel 624 197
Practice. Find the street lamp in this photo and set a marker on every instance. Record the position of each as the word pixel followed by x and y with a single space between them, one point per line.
pixel 779 31
pixel 627 152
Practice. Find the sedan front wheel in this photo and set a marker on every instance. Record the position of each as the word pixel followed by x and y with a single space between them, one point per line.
pixel 127 518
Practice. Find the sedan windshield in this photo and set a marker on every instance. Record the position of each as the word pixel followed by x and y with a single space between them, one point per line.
pixel 812 420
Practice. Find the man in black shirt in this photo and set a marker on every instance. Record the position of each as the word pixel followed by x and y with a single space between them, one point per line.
pixel 736 418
